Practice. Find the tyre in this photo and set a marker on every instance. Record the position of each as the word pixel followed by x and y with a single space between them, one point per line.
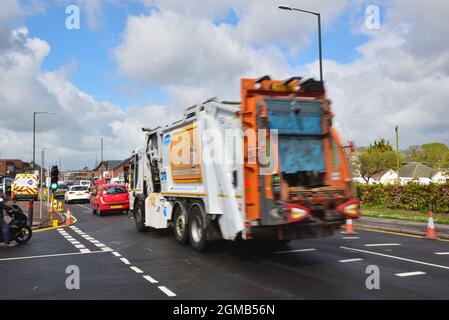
pixel 139 217
pixel 180 226
pixel 24 235
pixel 197 229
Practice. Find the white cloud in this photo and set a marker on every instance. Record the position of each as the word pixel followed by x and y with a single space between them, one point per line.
pixel 72 132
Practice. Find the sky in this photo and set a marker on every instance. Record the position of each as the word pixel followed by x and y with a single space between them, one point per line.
pixel 140 63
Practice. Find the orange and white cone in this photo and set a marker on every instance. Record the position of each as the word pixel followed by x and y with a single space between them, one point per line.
pixel 68 217
pixel 430 233
pixel 349 228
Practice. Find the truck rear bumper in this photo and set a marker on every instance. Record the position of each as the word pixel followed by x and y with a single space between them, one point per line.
pixel 296 231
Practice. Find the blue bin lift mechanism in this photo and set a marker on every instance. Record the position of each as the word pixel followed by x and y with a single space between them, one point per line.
pixel 299 124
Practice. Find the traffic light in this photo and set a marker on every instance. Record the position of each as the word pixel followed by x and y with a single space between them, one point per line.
pixel 54 178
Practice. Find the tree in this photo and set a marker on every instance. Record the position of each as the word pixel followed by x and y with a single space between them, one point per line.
pixel 436 154
pixel 378 157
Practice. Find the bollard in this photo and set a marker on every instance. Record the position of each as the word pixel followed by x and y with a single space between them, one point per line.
pixel 30 212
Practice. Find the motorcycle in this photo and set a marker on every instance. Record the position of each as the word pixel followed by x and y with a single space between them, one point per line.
pixel 19 230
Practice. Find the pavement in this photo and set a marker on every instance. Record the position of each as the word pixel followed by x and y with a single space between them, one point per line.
pixel 401 226
pixel 117 262
pixel 43 220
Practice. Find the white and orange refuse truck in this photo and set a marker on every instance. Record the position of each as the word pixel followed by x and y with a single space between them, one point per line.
pixel 271 166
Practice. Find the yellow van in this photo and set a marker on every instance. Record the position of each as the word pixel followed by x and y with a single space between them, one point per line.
pixel 25 187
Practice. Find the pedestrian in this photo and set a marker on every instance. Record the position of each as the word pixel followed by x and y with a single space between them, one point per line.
pixel 4 225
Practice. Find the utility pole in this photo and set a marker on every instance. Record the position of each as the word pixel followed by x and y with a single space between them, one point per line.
pixel 397 153
pixel 41 204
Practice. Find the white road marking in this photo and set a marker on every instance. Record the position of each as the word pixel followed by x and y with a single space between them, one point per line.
pixel 382 244
pixel 442 253
pixel 125 261
pixel 350 260
pixel 293 251
pixel 107 249
pixel 75 242
pixel 398 258
pixel 136 269
pixel 116 254
pixel 94 241
pixel 60 229
pixel 87 251
pixel 166 291
pixel 80 205
pixel 51 255
pixel 150 279
pixel 100 245
pixel 80 246
pixel 350 238
pixel 409 274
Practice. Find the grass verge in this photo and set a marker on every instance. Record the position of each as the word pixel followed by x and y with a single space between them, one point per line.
pixel 399 214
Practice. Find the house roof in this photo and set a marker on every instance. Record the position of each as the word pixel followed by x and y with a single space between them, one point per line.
pixel 110 164
pixel 379 175
pixel 416 170
pixel 121 163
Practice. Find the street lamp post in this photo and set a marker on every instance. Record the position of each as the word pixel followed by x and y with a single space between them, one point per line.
pixel 34 134
pixel 318 15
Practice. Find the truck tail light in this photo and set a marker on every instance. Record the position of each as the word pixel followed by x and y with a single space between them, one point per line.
pixel 350 209
pixel 296 213
pixel 71 192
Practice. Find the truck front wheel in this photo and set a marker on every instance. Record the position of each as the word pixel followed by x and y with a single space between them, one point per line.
pixel 180 226
pixel 197 229
pixel 139 216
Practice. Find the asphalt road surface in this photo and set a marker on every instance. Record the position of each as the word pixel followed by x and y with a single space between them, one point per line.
pixel 117 262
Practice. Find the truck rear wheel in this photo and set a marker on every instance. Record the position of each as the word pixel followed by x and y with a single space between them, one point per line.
pixel 197 229
pixel 180 226
pixel 139 217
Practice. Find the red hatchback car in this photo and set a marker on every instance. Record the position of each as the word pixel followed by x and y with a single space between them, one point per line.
pixel 110 198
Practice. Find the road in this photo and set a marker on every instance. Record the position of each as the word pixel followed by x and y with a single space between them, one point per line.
pixel 117 262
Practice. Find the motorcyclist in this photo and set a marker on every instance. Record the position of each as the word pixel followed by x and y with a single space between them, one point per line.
pixel 3 224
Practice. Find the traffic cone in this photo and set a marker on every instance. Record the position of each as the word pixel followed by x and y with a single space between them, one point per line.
pixel 68 217
pixel 349 228
pixel 430 233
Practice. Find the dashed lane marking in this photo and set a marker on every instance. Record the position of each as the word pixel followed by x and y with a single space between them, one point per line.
pixel 125 261
pixel 116 254
pixel 295 251
pixel 397 258
pixel 107 249
pixel 382 244
pixel 442 253
pixel 350 260
pixel 167 291
pixel 150 279
pixel 135 269
pixel 410 274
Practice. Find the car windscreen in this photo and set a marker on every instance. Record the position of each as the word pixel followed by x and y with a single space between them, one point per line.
pixel 79 189
pixel 114 190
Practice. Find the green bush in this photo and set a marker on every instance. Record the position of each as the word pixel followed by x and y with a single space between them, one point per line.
pixel 413 196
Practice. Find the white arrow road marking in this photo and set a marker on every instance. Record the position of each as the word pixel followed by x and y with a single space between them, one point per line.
pixel 398 258
pixel 409 274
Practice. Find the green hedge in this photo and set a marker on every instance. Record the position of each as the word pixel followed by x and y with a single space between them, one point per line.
pixel 413 196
